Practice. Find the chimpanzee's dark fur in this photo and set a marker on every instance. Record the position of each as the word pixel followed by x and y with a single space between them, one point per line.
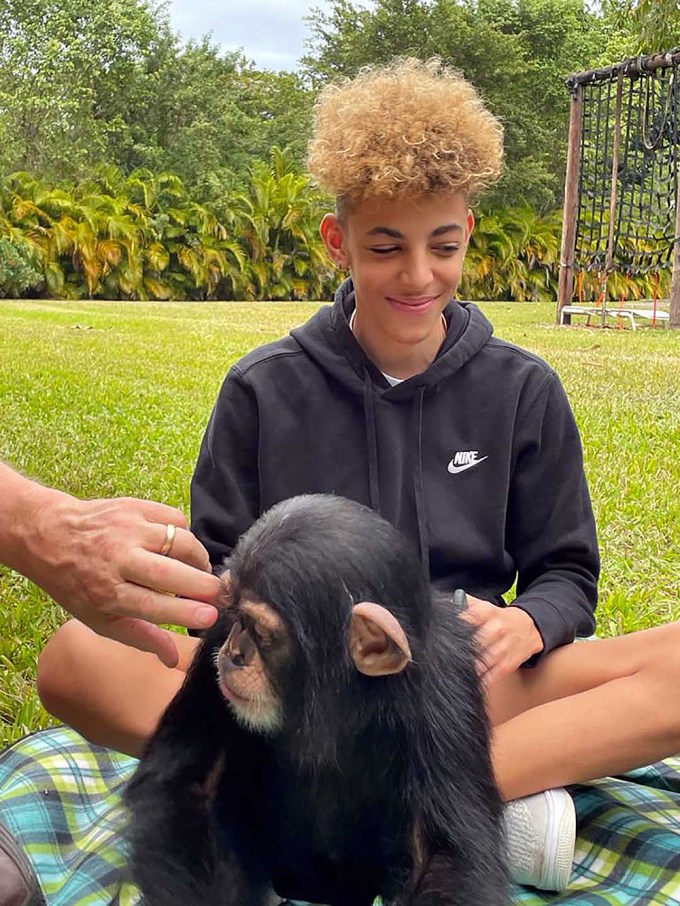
pixel 375 786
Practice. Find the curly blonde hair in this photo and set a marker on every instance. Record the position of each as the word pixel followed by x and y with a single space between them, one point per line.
pixel 409 128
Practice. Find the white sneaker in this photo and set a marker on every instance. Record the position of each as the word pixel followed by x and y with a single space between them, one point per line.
pixel 540 834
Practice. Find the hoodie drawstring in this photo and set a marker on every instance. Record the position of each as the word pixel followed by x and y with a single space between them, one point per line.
pixel 421 515
pixel 372 441
pixel 373 477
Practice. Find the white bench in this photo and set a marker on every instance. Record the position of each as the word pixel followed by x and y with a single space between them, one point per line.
pixel 589 311
pixel 647 314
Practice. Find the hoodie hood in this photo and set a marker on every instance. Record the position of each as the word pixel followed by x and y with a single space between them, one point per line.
pixel 477 460
pixel 327 339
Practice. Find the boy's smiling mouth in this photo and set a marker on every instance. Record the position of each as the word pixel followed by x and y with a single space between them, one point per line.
pixel 421 304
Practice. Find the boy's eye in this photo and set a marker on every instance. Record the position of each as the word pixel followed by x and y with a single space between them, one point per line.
pixel 446 248
pixel 384 249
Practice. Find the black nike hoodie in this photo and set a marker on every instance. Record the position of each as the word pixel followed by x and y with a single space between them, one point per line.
pixel 477 460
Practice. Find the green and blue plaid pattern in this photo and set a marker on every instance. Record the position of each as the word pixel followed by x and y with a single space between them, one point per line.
pixel 60 797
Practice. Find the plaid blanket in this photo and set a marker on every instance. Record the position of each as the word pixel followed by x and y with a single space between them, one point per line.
pixel 60 797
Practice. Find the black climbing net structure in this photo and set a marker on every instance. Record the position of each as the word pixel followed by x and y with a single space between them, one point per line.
pixel 628 169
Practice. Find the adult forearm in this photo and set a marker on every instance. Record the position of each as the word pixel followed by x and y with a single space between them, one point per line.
pixel 21 503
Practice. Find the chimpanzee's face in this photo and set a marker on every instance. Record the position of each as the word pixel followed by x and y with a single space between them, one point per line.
pixel 257 651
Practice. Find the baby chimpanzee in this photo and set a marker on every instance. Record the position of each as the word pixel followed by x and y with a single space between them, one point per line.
pixel 330 742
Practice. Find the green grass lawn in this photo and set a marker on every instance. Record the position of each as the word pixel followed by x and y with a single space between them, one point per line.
pixel 107 398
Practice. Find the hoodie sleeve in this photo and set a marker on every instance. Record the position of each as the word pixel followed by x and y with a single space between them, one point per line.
pixel 225 492
pixel 551 528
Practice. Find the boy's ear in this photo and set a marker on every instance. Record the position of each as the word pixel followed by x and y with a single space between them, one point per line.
pixel 334 239
pixel 470 224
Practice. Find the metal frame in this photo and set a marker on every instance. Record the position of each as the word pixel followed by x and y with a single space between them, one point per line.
pixel 631 68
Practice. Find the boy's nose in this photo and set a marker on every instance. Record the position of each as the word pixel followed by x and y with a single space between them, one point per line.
pixel 417 274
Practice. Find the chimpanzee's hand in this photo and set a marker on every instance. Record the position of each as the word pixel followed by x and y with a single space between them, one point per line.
pixel 506 636
pixel 100 559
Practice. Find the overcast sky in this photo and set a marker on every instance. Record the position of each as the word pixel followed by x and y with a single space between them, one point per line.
pixel 270 32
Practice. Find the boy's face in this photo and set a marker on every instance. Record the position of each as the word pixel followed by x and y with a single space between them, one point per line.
pixel 405 256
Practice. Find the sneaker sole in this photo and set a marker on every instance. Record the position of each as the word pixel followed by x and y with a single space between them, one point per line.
pixel 562 837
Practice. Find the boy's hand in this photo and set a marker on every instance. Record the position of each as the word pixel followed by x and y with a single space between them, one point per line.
pixel 506 636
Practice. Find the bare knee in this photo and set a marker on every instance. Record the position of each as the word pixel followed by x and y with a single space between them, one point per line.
pixel 78 678
pixel 661 668
pixel 60 668
pixel 657 652
pixel 111 693
pixel 57 665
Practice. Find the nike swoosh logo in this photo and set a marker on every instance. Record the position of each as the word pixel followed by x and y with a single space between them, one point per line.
pixel 468 465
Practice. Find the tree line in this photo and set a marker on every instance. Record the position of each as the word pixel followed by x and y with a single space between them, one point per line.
pixel 135 166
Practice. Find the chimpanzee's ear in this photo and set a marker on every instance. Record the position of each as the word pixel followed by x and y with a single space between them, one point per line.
pixel 225 596
pixel 377 643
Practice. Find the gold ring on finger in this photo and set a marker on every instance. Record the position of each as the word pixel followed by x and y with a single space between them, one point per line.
pixel 170 532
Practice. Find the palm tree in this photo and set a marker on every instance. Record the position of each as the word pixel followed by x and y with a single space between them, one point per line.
pixel 142 236
pixel 513 254
pixel 277 222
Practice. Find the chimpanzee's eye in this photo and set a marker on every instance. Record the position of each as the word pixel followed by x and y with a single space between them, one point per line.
pixel 256 631
pixel 264 639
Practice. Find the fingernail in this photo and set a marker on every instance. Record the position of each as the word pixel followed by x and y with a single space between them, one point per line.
pixel 205 616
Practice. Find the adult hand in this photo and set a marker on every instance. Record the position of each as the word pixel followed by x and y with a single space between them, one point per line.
pixel 506 638
pixel 100 559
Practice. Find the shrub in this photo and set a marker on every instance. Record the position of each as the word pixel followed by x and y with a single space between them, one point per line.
pixel 17 269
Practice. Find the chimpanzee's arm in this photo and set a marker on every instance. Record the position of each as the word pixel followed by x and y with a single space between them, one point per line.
pixel 177 854
pixel 449 879
pixel 458 805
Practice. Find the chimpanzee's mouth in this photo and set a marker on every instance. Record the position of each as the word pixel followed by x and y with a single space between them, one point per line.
pixel 230 694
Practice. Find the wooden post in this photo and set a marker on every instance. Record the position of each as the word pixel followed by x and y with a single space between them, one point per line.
pixel 616 154
pixel 570 215
pixel 675 282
